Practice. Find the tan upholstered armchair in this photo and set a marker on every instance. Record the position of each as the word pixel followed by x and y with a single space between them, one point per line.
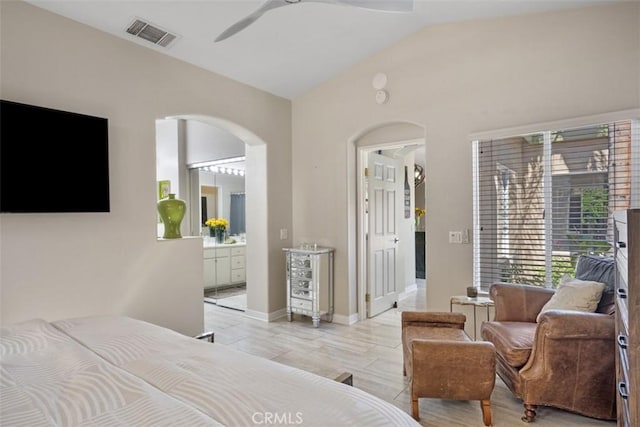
pixel 567 360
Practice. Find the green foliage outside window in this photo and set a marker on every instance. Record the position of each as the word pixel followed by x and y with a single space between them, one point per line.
pixel 590 237
pixel 536 275
pixel 587 239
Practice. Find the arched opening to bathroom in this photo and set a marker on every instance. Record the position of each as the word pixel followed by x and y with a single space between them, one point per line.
pixel 208 162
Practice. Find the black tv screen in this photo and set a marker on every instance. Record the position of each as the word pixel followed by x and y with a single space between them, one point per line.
pixel 52 161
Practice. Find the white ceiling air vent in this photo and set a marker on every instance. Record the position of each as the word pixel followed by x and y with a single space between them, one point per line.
pixel 151 33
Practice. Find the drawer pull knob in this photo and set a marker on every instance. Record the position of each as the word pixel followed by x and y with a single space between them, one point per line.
pixel 622 341
pixel 622 390
pixel 622 293
pixel 621 245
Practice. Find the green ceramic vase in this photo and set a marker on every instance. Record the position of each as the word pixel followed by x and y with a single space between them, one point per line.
pixel 172 212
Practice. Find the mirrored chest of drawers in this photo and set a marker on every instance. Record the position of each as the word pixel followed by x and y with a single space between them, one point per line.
pixel 310 283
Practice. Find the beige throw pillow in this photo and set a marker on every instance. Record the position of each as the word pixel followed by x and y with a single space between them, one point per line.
pixel 575 294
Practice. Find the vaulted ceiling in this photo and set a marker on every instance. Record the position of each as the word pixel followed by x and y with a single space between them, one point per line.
pixel 290 49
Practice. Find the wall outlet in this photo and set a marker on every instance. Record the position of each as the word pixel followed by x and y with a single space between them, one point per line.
pixel 455 237
pixel 284 234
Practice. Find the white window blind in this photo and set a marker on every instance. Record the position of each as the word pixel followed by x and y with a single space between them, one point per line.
pixel 541 200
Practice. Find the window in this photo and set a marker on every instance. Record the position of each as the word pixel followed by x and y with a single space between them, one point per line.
pixel 543 199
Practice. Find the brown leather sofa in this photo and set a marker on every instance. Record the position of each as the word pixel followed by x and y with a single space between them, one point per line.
pixel 443 362
pixel 567 360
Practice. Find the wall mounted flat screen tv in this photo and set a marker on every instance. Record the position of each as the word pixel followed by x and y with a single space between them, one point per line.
pixel 52 161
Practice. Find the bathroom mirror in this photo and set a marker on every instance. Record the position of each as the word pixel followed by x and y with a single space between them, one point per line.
pixel 223 196
pixel 208 203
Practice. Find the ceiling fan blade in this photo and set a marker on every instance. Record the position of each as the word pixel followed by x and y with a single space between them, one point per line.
pixel 251 18
pixel 381 5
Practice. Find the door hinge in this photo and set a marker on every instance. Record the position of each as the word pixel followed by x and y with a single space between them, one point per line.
pixel 366 171
pixel 367 297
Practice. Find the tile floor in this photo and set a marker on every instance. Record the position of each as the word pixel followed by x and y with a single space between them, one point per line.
pixel 371 350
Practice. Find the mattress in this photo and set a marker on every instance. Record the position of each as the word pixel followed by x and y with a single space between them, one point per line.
pixel 121 371
pixel 48 379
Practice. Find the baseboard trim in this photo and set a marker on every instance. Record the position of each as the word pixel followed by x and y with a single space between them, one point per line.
pixel 266 317
pixel 278 314
pixel 407 290
pixel 341 319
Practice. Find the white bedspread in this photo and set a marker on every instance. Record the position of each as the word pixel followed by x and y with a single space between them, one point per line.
pixel 47 379
pixel 182 381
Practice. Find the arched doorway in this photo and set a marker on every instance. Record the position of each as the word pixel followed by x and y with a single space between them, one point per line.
pixel 404 138
pixel 255 188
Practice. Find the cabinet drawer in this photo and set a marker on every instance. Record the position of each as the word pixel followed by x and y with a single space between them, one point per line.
pixel 209 253
pixel 302 273
pixel 622 270
pixel 301 261
pixel 223 253
pixel 237 262
pixel 622 311
pixel 238 276
pixel 300 304
pixel 301 284
pixel 621 239
pixel 237 251
pixel 301 293
pixel 216 253
pixel 623 402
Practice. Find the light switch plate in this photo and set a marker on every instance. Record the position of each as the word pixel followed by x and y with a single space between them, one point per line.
pixel 455 237
pixel 284 234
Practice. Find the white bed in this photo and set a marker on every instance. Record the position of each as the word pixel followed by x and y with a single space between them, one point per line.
pixel 119 371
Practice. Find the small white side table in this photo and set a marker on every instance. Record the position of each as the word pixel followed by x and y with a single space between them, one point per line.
pixel 475 302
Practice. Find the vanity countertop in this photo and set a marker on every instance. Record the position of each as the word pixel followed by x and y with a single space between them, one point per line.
pixel 210 243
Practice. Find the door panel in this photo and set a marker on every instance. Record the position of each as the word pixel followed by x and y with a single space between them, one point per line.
pixel 391 212
pixel 391 271
pixel 378 208
pixel 379 269
pixel 384 188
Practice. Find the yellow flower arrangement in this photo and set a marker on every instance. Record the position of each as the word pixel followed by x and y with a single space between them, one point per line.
pixel 420 212
pixel 219 224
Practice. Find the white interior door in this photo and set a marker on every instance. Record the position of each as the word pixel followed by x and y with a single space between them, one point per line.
pixel 384 191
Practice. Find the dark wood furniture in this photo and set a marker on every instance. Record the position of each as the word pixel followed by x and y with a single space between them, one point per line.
pixel 627 238
pixel 209 336
pixel 420 259
pixel 345 378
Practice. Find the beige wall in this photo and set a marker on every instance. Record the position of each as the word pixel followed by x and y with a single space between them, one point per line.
pixel 450 79
pixel 55 265
pixel 453 80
